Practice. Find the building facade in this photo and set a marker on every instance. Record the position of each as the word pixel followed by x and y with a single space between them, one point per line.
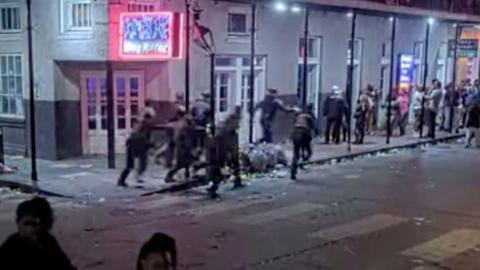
pixel 74 39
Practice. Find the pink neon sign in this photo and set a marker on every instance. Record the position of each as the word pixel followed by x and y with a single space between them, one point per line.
pixel 150 35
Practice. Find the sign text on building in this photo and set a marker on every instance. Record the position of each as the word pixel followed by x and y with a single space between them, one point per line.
pixel 150 35
pixel 405 71
pixel 467 48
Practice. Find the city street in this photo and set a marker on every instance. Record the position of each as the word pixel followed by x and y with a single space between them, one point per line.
pixel 408 210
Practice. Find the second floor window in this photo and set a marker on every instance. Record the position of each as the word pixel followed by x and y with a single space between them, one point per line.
pixel 10 19
pixel 11 85
pixel 77 15
pixel 237 24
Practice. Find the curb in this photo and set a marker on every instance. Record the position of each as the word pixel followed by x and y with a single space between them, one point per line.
pixel 26 188
pixel 204 181
pixel 387 149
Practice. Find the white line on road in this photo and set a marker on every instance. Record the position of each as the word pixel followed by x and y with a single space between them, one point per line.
pixel 162 202
pixel 358 227
pixel 445 246
pixel 74 175
pixel 279 213
pixel 221 207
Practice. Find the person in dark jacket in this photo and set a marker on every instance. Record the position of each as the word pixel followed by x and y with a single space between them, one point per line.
pixel 360 122
pixel 33 247
pixel 473 125
pixel 269 107
pixel 301 138
pixel 201 113
pixel 184 130
pixel 137 146
pixel 158 253
pixel 334 109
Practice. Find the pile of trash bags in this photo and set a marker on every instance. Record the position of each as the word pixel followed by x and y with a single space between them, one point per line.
pixel 262 158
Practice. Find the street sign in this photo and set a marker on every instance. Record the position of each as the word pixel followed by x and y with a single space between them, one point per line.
pixel 405 71
pixel 467 48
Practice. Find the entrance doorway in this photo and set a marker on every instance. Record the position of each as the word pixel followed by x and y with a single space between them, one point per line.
pixel 232 88
pixel 128 92
pixel 313 71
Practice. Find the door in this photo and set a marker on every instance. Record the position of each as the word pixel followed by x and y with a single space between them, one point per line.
pixel 244 102
pixel 232 87
pixel 312 85
pixel 128 102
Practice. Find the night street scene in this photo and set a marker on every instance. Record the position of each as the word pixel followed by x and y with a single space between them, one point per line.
pixel 239 134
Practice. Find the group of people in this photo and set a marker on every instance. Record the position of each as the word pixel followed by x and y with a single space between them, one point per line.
pixel 34 247
pixel 191 143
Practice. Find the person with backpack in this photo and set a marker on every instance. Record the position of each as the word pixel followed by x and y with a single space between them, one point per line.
pixel 302 139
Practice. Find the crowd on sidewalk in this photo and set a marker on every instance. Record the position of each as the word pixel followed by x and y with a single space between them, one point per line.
pixel 192 142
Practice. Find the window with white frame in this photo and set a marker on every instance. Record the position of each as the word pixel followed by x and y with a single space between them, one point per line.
pixel 10 18
pixel 140 6
pixel 11 85
pixel 77 15
pixel 238 23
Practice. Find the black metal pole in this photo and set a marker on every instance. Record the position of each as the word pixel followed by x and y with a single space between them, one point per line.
pixel 391 83
pixel 305 58
pixel 212 93
pixel 110 118
pixel 187 56
pixel 350 79
pixel 458 32
pixel 33 143
pixel 425 76
pixel 251 93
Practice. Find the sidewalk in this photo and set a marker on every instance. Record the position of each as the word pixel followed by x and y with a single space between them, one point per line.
pixel 88 178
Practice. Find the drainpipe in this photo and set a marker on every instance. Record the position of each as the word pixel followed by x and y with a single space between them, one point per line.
pixel 458 32
pixel 305 59
pixel 425 76
pixel 350 80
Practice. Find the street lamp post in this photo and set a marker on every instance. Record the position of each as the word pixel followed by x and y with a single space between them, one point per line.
pixel 251 93
pixel 425 74
pixel 305 58
pixel 391 84
pixel 350 79
pixel 187 55
pixel 458 32
pixel 33 146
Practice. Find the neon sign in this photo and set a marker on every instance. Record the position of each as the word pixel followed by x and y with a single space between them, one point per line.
pixel 405 71
pixel 150 35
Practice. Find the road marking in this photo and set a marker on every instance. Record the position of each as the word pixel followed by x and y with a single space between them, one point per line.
pixel 74 175
pixel 279 213
pixel 445 246
pixel 359 227
pixel 221 207
pixel 154 204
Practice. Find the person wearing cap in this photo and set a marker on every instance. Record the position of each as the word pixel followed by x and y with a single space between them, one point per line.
pixel 269 107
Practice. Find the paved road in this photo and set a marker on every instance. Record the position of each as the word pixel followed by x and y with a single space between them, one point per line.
pixel 412 210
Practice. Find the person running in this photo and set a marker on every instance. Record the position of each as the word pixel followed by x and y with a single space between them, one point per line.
pixel 473 125
pixel 137 146
pixel 302 139
pixel 32 246
pixel 269 107
pixel 158 253
pixel 184 140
